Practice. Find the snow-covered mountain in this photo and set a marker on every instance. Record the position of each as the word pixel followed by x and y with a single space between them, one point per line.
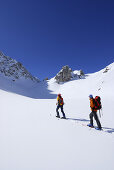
pixel 15 78
pixel 14 70
pixel 100 82
pixel 33 138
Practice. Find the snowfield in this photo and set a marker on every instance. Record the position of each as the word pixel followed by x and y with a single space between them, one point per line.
pixel 32 138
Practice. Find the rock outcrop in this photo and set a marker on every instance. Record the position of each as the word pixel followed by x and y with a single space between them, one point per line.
pixel 106 70
pixel 64 74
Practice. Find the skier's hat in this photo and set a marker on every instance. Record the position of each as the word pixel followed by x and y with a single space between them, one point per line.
pixel 90 96
pixel 59 94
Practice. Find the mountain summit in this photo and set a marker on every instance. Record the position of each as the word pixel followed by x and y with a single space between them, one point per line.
pixel 14 70
pixel 66 74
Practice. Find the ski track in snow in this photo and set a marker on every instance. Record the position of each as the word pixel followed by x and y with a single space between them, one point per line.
pixel 83 122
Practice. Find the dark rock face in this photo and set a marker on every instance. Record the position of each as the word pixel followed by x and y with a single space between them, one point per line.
pixel 64 74
pixel 106 70
pixel 81 73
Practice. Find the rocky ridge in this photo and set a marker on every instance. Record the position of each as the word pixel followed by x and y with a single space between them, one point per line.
pixel 13 69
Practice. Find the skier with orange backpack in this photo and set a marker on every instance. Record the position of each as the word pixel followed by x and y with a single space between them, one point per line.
pixel 95 105
pixel 60 104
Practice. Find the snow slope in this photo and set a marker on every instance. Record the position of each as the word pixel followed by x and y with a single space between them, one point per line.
pixel 32 138
pixel 26 87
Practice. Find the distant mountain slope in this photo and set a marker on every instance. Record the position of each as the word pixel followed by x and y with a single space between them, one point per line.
pixel 15 78
pixel 99 83
pixel 14 70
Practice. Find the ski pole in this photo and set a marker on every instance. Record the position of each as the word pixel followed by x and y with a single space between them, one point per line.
pixel 99 114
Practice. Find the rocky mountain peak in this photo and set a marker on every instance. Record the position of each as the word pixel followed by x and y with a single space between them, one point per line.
pixel 66 74
pixel 13 69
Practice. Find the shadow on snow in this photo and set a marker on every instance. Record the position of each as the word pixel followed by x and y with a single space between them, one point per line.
pixel 107 129
pixel 81 120
pixel 33 90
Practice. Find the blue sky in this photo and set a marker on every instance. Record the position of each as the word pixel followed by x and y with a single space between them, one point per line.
pixel 47 34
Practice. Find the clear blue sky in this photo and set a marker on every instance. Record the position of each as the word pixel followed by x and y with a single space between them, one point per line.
pixel 47 34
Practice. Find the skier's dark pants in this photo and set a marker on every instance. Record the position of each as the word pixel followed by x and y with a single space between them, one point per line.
pixel 94 114
pixel 60 106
